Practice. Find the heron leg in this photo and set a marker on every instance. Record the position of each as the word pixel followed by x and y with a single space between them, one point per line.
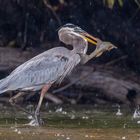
pixel 12 101
pixel 37 111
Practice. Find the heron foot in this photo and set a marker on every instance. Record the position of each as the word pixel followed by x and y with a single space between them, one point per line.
pixel 12 101
pixel 37 120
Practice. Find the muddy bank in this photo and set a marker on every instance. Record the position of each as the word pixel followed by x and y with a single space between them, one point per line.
pixel 77 134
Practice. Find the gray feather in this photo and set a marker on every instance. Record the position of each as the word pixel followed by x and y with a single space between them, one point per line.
pixel 49 67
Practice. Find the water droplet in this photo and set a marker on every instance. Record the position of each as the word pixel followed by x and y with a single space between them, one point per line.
pixel 124 126
pixel 59 109
pixel 119 113
pixel 62 135
pixel 86 136
pixel 123 138
pixel 15 130
pixel 64 112
pixel 30 117
pixel 72 117
pixel 19 132
pixel 57 134
pixel 85 117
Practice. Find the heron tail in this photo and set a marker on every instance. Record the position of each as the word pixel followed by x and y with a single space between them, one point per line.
pixel 3 85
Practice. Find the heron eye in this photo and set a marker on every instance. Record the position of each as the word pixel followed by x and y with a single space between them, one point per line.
pixel 78 29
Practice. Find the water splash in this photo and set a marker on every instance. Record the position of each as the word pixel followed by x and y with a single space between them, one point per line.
pixel 119 113
pixel 72 117
pixel 136 114
pixel 16 130
pixel 33 123
pixel 59 109
pixel 123 138
pixel 85 117
pixel 30 117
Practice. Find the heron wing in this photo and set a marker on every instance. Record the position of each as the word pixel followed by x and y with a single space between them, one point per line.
pixel 43 69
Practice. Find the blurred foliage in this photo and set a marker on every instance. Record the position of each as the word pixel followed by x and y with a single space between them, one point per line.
pixel 138 3
pixel 110 3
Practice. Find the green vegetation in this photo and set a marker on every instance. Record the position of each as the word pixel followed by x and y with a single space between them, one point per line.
pixel 110 3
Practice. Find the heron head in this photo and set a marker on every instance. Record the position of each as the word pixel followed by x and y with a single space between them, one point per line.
pixel 69 33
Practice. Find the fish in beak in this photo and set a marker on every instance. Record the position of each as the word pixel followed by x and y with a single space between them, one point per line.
pixel 91 39
pixel 101 46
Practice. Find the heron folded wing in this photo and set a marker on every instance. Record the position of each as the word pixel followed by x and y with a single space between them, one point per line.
pixel 50 66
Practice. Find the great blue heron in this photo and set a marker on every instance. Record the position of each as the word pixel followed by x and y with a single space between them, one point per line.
pixel 51 66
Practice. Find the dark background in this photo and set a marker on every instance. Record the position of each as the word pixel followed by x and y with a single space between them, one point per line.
pixel 33 24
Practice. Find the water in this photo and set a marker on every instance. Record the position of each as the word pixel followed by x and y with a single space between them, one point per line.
pixel 71 123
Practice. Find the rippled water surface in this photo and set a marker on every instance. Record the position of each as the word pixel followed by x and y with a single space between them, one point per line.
pixel 71 123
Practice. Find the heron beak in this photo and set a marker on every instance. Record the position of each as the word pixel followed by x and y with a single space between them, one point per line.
pixel 91 39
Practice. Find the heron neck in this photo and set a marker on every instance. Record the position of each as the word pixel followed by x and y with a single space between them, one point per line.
pixel 80 48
